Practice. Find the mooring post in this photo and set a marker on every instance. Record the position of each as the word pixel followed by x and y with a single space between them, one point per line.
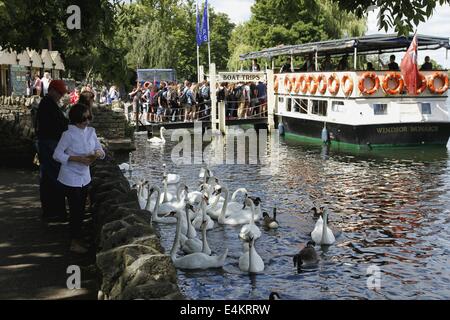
pixel 213 86
pixel 222 117
pixel 271 101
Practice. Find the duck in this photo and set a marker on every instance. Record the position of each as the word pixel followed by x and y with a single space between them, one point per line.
pixel 250 230
pixel 156 140
pixel 155 218
pixel 307 256
pixel 271 223
pixel 322 234
pixel 250 261
pixel 197 260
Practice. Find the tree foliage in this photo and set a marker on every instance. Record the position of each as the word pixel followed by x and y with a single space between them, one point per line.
pixel 402 15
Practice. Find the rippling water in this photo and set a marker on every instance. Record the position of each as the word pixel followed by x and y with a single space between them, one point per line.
pixel 389 208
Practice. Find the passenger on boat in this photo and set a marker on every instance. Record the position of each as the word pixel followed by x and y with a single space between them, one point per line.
pixel 369 66
pixel 309 65
pixel 286 67
pixel 427 66
pixel 392 65
pixel 343 63
pixel 326 64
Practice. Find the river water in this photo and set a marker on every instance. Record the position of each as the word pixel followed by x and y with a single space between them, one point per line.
pixel 390 210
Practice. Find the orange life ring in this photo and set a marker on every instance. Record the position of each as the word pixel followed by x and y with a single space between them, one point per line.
pixel 333 84
pixel 441 76
pixel 375 80
pixel 147 84
pixel 322 83
pixel 313 83
pixel 275 84
pixel 302 84
pixel 423 84
pixel 298 83
pixel 347 90
pixel 288 83
pixel 397 77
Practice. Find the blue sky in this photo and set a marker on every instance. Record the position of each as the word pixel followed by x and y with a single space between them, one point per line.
pixel 437 25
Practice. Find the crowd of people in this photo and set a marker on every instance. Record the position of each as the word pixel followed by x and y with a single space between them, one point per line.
pixel 187 102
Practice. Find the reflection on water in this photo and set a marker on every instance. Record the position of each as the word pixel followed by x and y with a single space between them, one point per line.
pixel 390 208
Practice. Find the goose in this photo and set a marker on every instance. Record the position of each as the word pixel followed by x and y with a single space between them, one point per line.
pixel 250 230
pixel 197 260
pixel 250 261
pixel 274 296
pixel 322 234
pixel 271 223
pixel 171 177
pixel 126 166
pixel 156 140
pixel 234 217
pixel 317 214
pixel 203 218
pixel 307 256
pixel 155 217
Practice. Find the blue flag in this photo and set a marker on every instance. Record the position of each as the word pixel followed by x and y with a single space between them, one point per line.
pixel 205 31
pixel 198 29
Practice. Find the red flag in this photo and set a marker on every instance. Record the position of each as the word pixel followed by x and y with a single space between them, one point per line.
pixel 410 71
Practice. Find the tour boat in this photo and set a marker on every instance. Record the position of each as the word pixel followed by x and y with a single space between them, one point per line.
pixel 358 107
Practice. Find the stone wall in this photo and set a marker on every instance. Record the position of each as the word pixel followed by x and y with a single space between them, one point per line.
pixel 130 258
pixel 16 131
pixel 108 123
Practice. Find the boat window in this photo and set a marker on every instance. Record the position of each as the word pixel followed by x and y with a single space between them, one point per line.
pixel 426 108
pixel 380 108
pixel 337 106
pixel 319 107
pixel 301 105
pixel 288 104
pixel 280 99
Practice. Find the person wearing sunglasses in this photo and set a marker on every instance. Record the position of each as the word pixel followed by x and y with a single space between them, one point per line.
pixel 78 148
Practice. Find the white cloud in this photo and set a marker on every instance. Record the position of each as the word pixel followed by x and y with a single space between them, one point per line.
pixel 237 10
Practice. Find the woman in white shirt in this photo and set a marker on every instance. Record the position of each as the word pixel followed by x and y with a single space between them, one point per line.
pixel 76 151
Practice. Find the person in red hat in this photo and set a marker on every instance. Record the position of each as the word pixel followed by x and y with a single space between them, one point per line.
pixel 49 125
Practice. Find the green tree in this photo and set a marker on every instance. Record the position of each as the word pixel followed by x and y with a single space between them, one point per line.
pixel 402 15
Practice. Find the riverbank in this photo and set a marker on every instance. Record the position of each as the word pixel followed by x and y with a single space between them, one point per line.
pixel 34 255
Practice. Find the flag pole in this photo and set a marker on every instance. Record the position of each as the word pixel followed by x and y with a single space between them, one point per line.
pixel 198 50
pixel 209 38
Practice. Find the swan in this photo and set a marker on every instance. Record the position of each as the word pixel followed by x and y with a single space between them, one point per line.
pixel 142 194
pixel 233 207
pixel 171 177
pixel 322 234
pixel 197 260
pixel 167 207
pixel 271 223
pixel 248 211
pixel 250 230
pixel 193 244
pixel 205 172
pixel 203 218
pixel 155 217
pixel 234 217
pixel 156 140
pixel 126 166
pixel 307 256
pixel 250 261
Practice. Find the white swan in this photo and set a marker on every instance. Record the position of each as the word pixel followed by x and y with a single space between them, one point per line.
pixel 155 217
pixel 203 218
pixel 215 209
pixel 250 231
pixel 247 211
pixel 250 261
pixel 193 244
pixel 126 166
pixel 171 177
pixel 142 194
pixel 168 207
pixel 232 217
pixel 322 234
pixel 198 260
pixel 156 140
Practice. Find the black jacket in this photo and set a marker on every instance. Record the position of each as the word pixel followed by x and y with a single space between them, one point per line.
pixel 50 120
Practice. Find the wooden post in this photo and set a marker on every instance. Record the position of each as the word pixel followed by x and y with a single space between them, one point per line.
pixel 213 90
pixel 201 74
pixel 222 117
pixel 271 101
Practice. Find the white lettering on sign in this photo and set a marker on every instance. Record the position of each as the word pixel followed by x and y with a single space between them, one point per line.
pixel 241 77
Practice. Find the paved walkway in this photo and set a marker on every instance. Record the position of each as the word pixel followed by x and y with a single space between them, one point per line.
pixel 34 255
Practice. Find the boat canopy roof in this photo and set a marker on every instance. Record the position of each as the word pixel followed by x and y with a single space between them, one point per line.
pixel 371 44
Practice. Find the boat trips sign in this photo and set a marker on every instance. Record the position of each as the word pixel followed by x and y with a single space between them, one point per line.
pixel 241 76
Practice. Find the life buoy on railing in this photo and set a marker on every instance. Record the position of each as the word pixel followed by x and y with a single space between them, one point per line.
pixel 362 83
pixel 333 84
pixel 302 84
pixel 423 83
pixel 147 84
pixel 288 84
pixel 298 83
pixel 275 84
pixel 322 83
pixel 313 83
pixel 399 83
pixel 293 81
pixel 441 76
pixel 348 90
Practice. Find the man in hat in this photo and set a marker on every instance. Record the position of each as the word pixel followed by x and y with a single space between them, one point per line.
pixel 50 123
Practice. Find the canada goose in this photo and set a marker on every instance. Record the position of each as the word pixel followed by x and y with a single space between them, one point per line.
pixel 271 223
pixel 274 296
pixel 306 256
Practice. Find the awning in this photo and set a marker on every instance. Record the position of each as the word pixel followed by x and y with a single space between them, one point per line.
pixel 7 57
pixel 371 44
pixel 59 64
